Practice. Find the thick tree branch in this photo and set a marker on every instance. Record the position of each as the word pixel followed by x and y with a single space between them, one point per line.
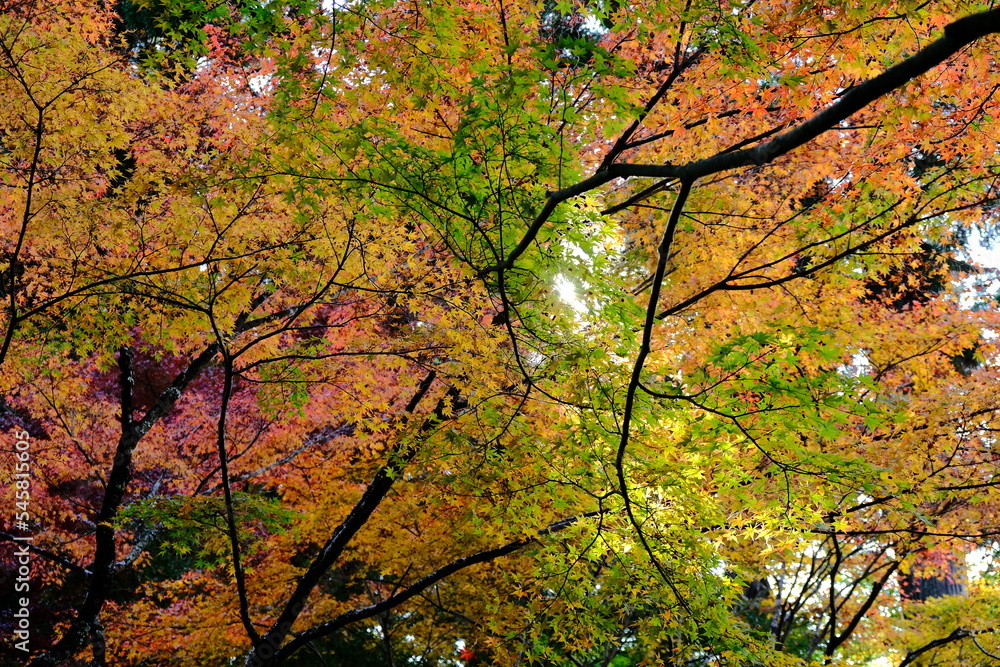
pixel 399 598
pixel 419 586
pixel 373 495
pixel 663 253
pixel 227 492
pixel 87 620
pixel 957 36
pixel 838 639
pixel 957 634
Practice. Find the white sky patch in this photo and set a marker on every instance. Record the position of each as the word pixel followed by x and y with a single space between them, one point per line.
pixel 567 292
pixel 261 83
pixel 977 562
pixel 859 366
pixel 980 288
pixel 576 251
pixel 985 255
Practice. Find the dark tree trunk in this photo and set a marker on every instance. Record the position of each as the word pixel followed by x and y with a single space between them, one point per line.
pixel 935 574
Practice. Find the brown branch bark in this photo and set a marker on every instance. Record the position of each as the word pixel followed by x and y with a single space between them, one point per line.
pixel 87 621
pixel 957 35
pixel 418 587
pixel 265 649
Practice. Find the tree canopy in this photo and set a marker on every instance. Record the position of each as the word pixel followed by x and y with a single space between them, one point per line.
pixel 445 333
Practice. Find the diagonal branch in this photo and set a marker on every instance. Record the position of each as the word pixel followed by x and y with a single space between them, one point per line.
pixel 372 497
pixel 48 555
pixel 957 634
pixel 419 586
pixel 957 35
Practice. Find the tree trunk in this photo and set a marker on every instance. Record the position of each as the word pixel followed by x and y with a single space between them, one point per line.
pixel 937 572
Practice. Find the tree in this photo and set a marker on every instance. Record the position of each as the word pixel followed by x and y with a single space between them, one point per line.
pixel 282 326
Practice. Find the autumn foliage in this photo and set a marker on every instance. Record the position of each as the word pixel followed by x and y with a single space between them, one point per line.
pixel 451 333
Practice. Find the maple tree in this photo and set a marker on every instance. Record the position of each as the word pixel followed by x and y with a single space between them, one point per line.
pixel 282 320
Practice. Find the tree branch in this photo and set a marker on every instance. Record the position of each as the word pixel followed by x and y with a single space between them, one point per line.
pixel 87 619
pixel 419 586
pixel 401 454
pixel 957 36
pixel 663 253
pixel 48 555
